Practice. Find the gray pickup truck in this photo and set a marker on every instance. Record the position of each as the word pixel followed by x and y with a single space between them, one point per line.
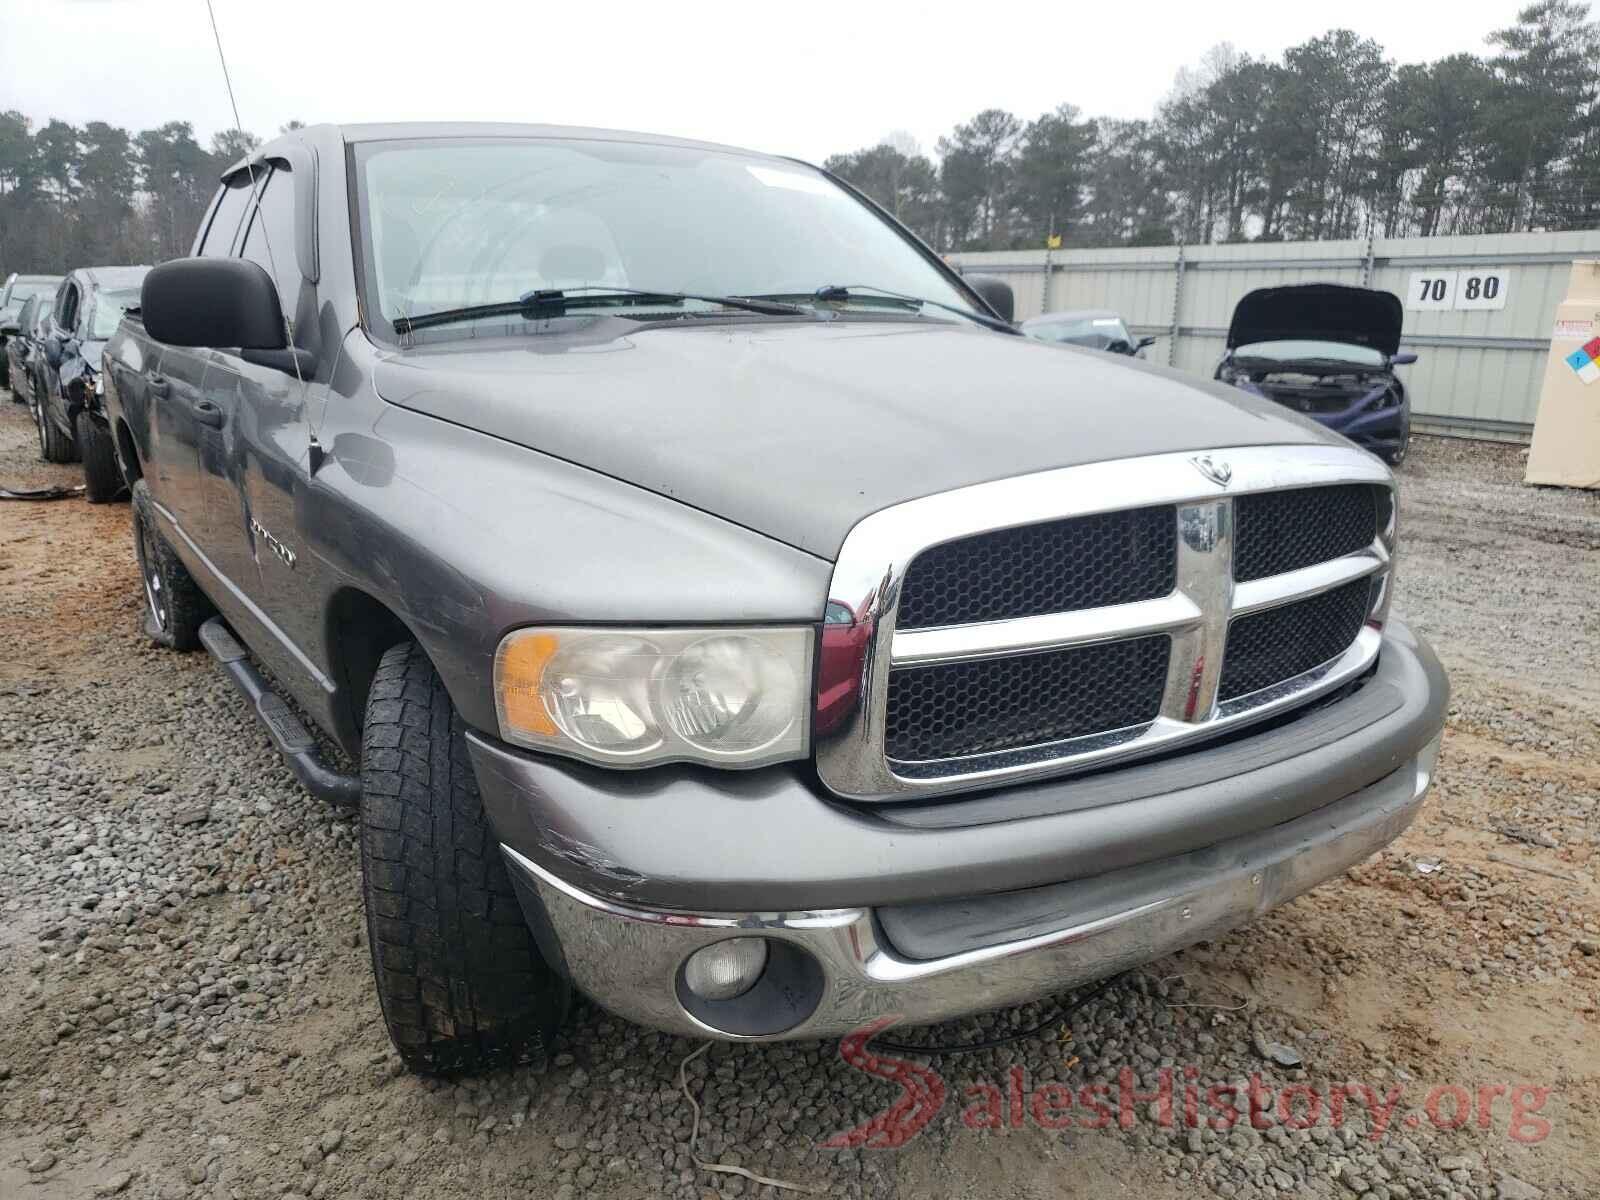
pixel 731 615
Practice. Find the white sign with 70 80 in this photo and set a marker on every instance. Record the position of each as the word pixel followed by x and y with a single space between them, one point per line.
pixel 1479 287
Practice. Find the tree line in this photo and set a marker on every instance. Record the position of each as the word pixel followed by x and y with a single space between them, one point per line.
pixel 73 196
pixel 1332 140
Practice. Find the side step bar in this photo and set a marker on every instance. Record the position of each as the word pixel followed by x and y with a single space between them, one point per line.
pixel 298 747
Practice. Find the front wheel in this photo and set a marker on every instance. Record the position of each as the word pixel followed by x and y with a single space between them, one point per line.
pixel 175 607
pixel 54 446
pixel 102 480
pixel 461 983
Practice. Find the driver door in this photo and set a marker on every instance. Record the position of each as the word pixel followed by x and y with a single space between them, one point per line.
pixel 58 345
pixel 181 428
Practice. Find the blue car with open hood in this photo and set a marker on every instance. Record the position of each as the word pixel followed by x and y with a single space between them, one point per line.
pixel 1328 351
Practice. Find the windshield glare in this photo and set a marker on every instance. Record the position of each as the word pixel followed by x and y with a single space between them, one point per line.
pixel 452 223
pixel 1361 356
pixel 108 310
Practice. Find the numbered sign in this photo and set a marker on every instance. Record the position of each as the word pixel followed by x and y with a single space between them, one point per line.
pixel 1431 290
pixel 1474 287
pixel 1481 288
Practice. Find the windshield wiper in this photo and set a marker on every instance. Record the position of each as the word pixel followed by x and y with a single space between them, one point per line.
pixel 555 302
pixel 841 292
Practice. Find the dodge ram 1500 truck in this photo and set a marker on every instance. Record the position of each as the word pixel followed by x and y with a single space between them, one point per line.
pixel 732 616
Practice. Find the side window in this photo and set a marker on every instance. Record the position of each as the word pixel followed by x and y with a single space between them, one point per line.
pixel 219 235
pixel 67 306
pixel 270 240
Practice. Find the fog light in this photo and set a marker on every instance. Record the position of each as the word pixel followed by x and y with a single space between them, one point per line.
pixel 727 969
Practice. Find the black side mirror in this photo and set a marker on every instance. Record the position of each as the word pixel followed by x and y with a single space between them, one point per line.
pixel 996 293
pixel 52 350
pixel 212 302
pixel 1404 359
pixel 1147 340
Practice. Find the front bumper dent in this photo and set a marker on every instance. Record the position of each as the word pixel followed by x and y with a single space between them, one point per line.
pixel 630 959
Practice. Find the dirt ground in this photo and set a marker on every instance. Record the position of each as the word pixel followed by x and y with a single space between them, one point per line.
pixel 185 1006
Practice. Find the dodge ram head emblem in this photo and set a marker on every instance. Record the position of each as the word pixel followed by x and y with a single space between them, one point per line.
pixel 1213 469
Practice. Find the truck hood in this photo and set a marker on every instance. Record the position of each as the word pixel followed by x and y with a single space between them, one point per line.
pixel 798 430
pixel 1321 312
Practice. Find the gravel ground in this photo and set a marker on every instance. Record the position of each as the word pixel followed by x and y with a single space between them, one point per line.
pixel 187 1007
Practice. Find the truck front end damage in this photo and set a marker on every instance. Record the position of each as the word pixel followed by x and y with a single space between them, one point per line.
pixel 1366 407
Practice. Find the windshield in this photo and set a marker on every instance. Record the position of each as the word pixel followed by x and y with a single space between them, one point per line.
pixel 449 223
pixel 24 288
pixel 1287 351
pixel 108 310
pixel 1097 333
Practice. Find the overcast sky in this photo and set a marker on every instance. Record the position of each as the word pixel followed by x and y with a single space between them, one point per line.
pixel 792 78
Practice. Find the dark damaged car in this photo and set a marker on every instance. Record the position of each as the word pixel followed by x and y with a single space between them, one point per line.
pixel 17 290
pixel 68 404
pixel 24 348
pixel 1327 351
pixel 733 617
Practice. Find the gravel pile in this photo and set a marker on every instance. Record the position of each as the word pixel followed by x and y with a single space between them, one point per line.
pixel 188 1010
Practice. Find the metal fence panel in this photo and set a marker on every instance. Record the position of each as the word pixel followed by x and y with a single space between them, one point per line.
pixel 1478 371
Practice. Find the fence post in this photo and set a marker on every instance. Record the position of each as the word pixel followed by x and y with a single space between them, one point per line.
pixel 1044 288
pixel 1366 264
pixel 1177 304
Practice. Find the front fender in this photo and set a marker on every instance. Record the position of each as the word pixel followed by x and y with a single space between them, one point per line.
pixel 465 537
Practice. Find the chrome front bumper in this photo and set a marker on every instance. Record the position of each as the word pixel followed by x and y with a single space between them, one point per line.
pixel 629 959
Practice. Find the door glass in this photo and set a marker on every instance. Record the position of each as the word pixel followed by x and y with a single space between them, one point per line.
pixel 270 238
pixel 235 198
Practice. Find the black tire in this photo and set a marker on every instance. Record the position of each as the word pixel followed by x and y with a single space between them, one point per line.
pixel 460 980
pixel 54 446
pixel 175 607
pixel 102 478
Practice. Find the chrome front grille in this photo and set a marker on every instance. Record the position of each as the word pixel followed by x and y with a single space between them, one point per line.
pixel 1268 647
pixel 1054 566
pixel 1284 531
pixel 986 705
pixel 1056 621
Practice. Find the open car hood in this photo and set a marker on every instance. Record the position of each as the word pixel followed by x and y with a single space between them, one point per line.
pixel 1323 312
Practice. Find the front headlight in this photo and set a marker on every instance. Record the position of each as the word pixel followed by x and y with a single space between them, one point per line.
pixel 636 697
pixel 99 385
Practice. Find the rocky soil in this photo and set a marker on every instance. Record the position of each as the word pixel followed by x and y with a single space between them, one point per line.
pixel 185 1008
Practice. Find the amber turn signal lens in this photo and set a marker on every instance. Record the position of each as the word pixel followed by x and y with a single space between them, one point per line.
pixel 520 674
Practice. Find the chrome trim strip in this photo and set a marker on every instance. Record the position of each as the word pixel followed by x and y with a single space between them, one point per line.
pixel 875 556
pixel 1026 635
pixel 1310 581
pixel 1289 692
pixel 1075 747
pixel 1205 574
